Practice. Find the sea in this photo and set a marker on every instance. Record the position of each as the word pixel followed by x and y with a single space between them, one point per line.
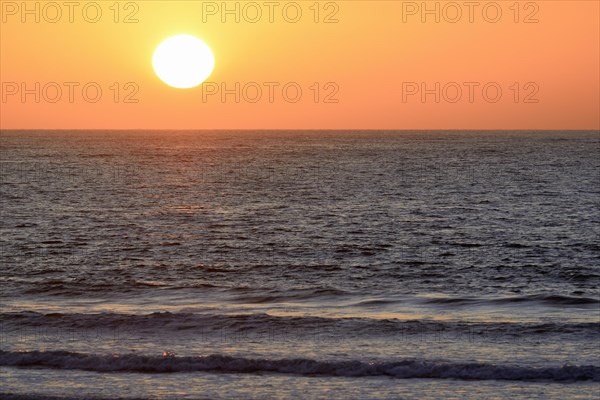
pixel 299 264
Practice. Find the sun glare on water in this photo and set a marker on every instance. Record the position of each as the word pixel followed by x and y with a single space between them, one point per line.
pixel 183 61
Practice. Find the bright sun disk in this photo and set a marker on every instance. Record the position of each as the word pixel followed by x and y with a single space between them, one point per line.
pixel 183 61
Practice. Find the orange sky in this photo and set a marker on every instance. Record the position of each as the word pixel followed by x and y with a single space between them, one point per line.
pixel 375 56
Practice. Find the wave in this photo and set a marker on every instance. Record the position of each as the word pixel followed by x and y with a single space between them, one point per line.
pixel 555 300
pixel 343 326
pixel 82 286
pixel 276 296
pixel 401 369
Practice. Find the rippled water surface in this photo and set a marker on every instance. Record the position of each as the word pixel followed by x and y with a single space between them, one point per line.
pixel 348 264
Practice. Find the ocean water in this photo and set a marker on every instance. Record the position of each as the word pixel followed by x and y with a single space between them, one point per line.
pixel 312 264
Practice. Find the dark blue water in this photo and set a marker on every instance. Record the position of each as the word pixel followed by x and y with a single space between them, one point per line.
pixel 323 259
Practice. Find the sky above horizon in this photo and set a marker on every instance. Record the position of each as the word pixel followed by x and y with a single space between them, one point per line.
pixel 304 65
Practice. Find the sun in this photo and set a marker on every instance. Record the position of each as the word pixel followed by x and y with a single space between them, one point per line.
pixel 183 61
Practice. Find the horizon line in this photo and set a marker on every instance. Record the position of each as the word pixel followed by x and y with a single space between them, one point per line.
pixel 288 130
